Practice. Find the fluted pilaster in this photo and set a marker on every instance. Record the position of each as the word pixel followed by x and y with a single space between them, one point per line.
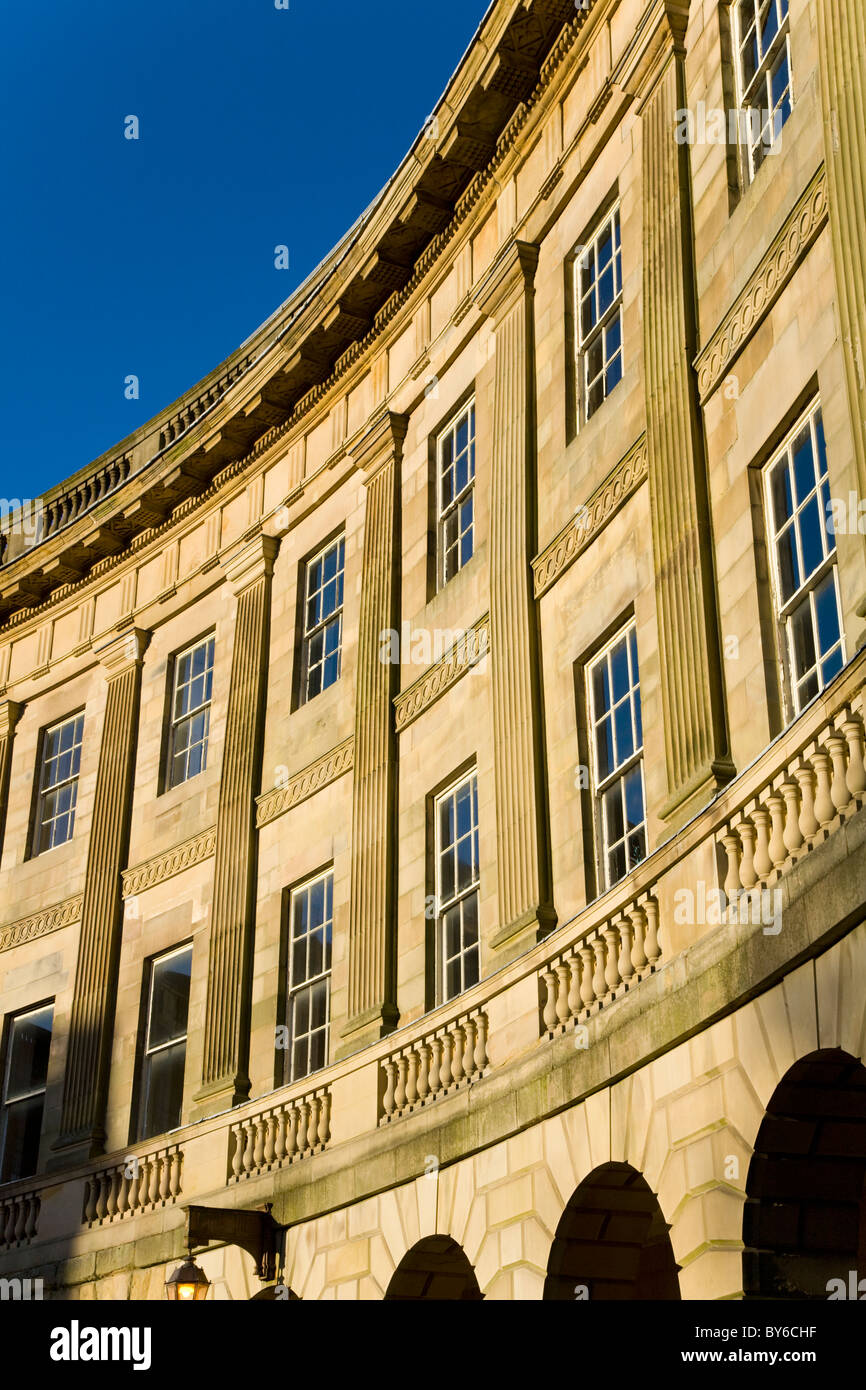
pixel 225 1055
pixel 10 713
pixel 842 57
pixel 523 855
pixel 372 1004
pixel 696 749
pixel 85 1088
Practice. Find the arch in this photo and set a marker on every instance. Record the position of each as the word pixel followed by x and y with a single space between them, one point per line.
pixel 436 1267
pixel 612 1241
pixel 804 1221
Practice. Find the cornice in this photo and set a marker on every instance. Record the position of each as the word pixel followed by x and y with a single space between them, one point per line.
pixel 592 517
pixel 324 770
pixel 799 231
pixel 173 861
pixel 472 648
pixel 42 923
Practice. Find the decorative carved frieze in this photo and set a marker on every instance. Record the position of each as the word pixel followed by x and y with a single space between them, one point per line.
pixel 591 518
pixel 42 923
pixel 756 299
pixel 472 647
pixel 324 770
pixel 173 861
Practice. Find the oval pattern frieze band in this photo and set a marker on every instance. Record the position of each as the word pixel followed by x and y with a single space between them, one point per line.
pixel 763 289
pixel 592 517
pixel 326 769
pixel 174 861
pixel 41 923
pixel 472 648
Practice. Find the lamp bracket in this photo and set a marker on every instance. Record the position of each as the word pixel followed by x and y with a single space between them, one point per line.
pixel 253 1231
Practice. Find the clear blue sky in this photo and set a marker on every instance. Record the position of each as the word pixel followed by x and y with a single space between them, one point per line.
pixel 258 127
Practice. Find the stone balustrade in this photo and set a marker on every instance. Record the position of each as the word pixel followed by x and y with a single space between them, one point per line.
pixel 137 1184
pixel 283 1134
pixel 430 1067
pixel 795 809
pixel 19 1219
pixel 604 961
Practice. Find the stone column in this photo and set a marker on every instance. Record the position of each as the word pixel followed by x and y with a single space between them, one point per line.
pixel 225 1076
pixel 690 664
pixel 372 1005
pixel 10 713
pixel 506 295
pixel 85 1088
pixel 842 57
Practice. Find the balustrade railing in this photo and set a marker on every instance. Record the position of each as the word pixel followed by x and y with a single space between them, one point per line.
pixel 138 1184
pixel 19 1219
pixel 280 1135
pixel 606 960
pixel 430 1067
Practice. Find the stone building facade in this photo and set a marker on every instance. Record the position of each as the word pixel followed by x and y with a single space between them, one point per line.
pixel 432 751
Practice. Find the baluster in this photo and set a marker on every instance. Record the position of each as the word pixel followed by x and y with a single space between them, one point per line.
pixel 32 1218
pixel 164 1177
pixel 325 1118
pixel 763 863
pixel 574 999
pixel 113 1185
pixel 174 1178
pixel 313 1123
pixel 280 1136
pixel 824 808
pixel 292 1133
pixel 469 1053
pixel 611 974
pixel 638 951
pixel 856 775
pixel 123 1194
pixel 793 834
pixel 259 1146
pixel 102 1197
pixel 445 1062
pixel 599 984
pixel 90 1201
pixel 550 1003
pixel 564 977
pixel 838 750
pixel 587 962
pixel 412 1078
pixel 423 1072
pixel 777 849
pixel 20 1219
pixel 652 944
pixel 480 1043
pixel 133 1195
pixel 250 1132
pixel 270 1139
pixel 435 1066
pixel 238 1155
pixel 626 969
pixel 388 1103
pixel 458 1044
pixel 400 1093
pixel 731 842
pixel 153 1191
pixel 9 1227
pixel 806 782
pixel 303 1118
pixel 748 877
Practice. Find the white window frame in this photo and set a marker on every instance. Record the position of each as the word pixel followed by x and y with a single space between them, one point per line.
pixel 176 721
pixel 458 500
pixel 460 895
pixel 601 785
pixel 760 87
pixel 46 790
pixel 149 1052
pixel 786 610
pixel 311 631
pixel 307 985
pixel 585 341
pixel 7 1104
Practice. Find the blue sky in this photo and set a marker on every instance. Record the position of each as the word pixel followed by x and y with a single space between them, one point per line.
pixel 258 127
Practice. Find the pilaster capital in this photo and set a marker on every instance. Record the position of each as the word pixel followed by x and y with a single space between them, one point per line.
pixel 250 560
pixel 10 713
pixel 661 34
pixel 511 275
pixel 121 651
pixel 380 442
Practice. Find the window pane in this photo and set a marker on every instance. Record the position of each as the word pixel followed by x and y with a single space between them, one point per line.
pixel 21 1141
pixel 827 613
pixel 613 813
pixel 803 639
pixel 29 1046
pixel 169 998
pixel 164 1090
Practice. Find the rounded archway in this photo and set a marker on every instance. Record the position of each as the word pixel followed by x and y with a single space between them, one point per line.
pixel 436 1267
pixel 612 1242
pixel 804 1222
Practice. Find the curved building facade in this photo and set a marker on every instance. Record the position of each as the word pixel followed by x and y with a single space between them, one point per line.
pixel 432 751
